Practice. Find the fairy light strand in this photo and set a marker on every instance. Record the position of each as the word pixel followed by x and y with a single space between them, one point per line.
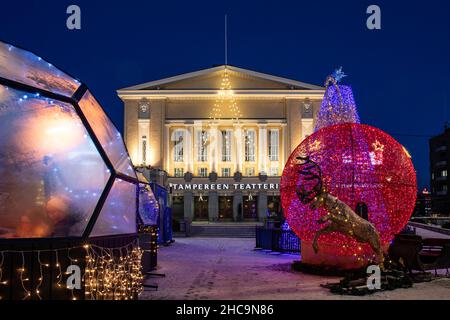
pixel 110 273
pixel 226 100
pixel 22 280
pixel 2 260
pixel 41 276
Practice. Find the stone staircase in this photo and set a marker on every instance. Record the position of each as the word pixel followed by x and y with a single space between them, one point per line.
pixel 224 229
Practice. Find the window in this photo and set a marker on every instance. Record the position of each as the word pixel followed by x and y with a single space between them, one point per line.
pixel 202 145
pixel 273 171
pixel 443 173
pixel 274 136
pixel 226 145
pixel 226 172
pixel 178 151
pixel 179 172
pixel 144 149
pixel 250 142
pixel 444 188
pixel 202 172
pixel 249 172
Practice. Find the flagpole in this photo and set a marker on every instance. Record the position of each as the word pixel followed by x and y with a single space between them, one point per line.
pixel 226 41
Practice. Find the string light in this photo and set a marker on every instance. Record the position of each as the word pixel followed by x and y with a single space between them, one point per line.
pixel 22 280
pixel 109 273
pixel 38 73
pixel 1 272
pixel 226 99
pixel 58 266
pixel 41 276
pixel 113 276
pixel 113 273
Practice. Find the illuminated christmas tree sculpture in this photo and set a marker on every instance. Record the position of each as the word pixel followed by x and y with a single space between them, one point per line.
pixel 338 104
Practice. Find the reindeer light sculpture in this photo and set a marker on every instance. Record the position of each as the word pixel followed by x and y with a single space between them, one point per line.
pixel 340 217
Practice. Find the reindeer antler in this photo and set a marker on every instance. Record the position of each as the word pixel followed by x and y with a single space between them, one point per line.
pixel 312 172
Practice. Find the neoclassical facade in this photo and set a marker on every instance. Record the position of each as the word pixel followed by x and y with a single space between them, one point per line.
pixel 221 136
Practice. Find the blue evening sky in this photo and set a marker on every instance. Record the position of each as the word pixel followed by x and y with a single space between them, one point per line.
pixel 399 74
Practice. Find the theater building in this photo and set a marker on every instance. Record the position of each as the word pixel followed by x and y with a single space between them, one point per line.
pixel 221 137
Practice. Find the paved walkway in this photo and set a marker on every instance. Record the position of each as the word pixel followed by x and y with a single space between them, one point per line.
pixel 218 268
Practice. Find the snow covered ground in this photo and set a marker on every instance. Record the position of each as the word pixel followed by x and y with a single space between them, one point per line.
pixel 221 268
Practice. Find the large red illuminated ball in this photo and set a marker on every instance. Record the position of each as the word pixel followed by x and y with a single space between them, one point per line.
pixel 360 164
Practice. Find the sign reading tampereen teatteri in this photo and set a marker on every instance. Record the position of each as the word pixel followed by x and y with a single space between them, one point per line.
pixel 225 186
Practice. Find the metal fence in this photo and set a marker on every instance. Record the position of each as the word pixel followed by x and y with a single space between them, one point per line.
pixel 277 240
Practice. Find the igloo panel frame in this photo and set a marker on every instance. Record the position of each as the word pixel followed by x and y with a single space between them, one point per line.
pixel 114 174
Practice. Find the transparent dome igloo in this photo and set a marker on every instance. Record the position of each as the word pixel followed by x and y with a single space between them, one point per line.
pixel 65 171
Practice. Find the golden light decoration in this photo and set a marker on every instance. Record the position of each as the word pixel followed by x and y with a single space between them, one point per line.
pixel 109 276
pixel 226 99
pixel 109 273
pixel 378 146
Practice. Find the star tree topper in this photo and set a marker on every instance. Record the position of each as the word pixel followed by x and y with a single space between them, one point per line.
pixel 338 74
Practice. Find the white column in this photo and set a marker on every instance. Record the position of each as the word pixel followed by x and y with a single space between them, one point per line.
pixel 188 148
pixel 167 142
pixel 239 146
pixel 285 153
pixel 214 148
pixel 218 150
pixel 144 130
pixel 262 148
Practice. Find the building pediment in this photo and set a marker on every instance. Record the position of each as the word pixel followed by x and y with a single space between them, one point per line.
pixel 210 79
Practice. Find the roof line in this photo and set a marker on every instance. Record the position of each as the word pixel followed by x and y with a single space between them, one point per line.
pixel 222 67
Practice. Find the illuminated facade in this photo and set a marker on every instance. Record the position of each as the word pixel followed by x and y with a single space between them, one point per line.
pixel 221 136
